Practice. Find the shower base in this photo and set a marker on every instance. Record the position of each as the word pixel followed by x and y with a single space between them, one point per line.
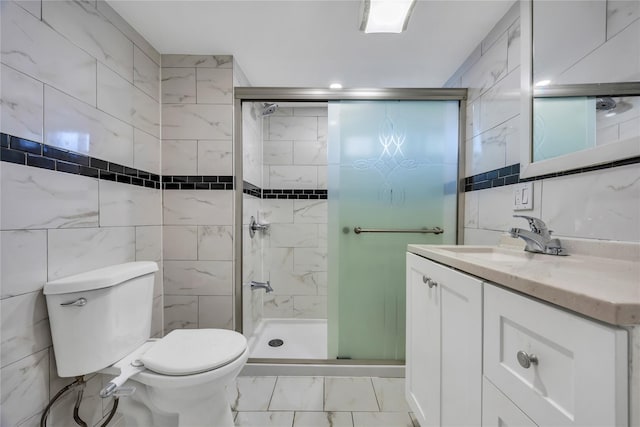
pixel 302 339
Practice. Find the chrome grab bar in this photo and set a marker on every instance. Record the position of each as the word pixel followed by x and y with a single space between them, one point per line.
pixel 434 230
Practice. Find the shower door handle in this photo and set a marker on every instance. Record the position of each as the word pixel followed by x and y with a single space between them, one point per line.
pixel 434 230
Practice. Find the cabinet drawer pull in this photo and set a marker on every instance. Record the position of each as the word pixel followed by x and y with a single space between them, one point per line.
pixel 526 360
pixel 429 281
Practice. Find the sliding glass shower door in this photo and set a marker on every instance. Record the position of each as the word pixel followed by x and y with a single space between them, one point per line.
pixel 392 180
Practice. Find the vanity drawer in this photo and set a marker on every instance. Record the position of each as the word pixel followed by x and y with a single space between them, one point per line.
pixel 578 368
pixel 498 411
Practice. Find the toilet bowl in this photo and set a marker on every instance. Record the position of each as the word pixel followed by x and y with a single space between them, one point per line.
pixel 100 322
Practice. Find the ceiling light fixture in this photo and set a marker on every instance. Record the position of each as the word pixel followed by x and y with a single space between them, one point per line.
pixel 386 16
pixel 335 86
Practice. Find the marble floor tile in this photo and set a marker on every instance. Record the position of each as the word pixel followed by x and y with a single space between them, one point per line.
pixel 390 394
pixel 323 419
pixel 349 394
pixel 251 393
pixel 382 419
pixel 298 394
pixel 264 419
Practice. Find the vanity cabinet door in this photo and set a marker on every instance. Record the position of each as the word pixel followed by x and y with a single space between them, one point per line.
pixel 444 344
pixel 561 369
pixel 498 411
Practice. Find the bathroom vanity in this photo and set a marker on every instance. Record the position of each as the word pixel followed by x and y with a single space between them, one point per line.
pixel 500 336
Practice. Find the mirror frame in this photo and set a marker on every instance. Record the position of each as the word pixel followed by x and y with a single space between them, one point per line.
pixel 580 159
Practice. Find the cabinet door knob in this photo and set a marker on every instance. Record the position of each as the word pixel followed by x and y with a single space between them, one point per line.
pixel 432 283
pixel 426 279
pixel 526 360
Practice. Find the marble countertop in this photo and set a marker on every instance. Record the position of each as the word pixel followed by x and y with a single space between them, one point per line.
pixel 602 288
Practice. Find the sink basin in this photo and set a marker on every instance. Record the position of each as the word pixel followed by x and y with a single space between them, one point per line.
pixel 490 253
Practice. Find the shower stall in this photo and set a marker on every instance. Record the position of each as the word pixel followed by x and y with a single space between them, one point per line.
pixel 335 184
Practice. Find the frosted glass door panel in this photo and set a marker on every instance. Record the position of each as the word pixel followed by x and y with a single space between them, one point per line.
pixel 392 165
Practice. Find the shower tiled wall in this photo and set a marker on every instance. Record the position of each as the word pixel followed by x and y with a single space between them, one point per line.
pixel 197 131
pixel 602 204
pixel 295 157
pixel 83 87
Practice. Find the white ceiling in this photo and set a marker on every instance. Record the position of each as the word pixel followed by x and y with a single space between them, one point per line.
pixel 308 43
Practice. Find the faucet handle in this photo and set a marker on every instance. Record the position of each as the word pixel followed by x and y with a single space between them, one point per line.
pixel 536 224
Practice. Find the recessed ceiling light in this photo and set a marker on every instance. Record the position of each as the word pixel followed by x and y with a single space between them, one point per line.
pixel 386 16
pixel 335 86
pixel 543 83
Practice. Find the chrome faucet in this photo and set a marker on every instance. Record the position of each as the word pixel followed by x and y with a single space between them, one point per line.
pixel 539 239
pixel 261 285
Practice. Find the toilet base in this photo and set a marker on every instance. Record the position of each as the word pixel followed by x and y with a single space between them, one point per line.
pixel 173 409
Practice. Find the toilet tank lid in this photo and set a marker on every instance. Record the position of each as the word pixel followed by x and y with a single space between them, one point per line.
pixel 100 278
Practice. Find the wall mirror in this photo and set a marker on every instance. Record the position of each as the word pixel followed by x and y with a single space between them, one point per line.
pixel 580 84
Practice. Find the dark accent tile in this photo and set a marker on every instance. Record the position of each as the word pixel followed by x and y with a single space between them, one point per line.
pixel 276 191
pixel 130 171
pixel 149 184
pixel 4 140
pixel 287 191
pixel 114 167
pixel 217 186
pixel 202 185
pixel 624 162
pixel 144 175
pixel 229 186
pixel 187 186
pixel 123 179
pixel 25 145
pixel 225 178
pixel 67 167
pixel 167 178
pixel 515 168
pixel 65 156
pixel 41 162
pixel 520 180
pixel 291 196
pixel 180 178
pixel 194 178
pixel 468 187
pixel 492 175
pixel 303 197
pixel 482 185
pixel 297 191
pixel 155 177
pixel 282 196
pixel 171 186
pixel 99 164
pixel 13 156
pixel 137 181
pixel 158 185
pixel 308 191
pixel 512 179
pixel 209 178
pixel 270 196
pixel 90 172
pixel 506 171
pixel 109 176
pixel 314 196
pixel 479 178
pixel 498 182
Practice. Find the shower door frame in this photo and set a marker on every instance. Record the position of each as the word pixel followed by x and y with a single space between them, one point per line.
pixel 290 94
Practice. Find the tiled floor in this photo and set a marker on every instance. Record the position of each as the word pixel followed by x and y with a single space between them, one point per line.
pixel 320 402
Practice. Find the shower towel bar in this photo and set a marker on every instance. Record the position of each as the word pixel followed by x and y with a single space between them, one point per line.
pixel 434 230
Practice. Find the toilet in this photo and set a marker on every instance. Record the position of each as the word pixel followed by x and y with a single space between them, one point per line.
pixel 101 322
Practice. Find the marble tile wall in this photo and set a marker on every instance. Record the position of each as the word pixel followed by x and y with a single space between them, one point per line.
pixel 602 204
pixel 68 69
pixel 197 111
pixel 295 254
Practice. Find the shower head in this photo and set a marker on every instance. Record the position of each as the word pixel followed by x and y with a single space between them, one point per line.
pixel 268 109
pixel 605 103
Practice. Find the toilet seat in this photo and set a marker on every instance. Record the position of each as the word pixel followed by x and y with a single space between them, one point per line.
pixel 154 379
pixel 192 351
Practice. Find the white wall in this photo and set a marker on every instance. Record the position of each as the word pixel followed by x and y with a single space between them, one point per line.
pixel 602 204
pixel 77 77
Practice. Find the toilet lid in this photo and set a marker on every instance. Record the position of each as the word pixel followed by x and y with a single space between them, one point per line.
pixel 191 351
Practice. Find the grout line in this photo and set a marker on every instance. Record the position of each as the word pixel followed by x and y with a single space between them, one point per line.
pixel 375 394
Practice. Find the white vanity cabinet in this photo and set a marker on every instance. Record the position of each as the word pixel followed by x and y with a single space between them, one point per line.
pixel 444 344
pixel 559 368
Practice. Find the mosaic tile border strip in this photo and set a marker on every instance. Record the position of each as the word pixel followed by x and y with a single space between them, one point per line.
pixel 255 191
pixel 511 175
pixel 198 182
pixel 29 153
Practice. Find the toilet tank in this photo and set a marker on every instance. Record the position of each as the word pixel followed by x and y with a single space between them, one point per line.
pixel 99 316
